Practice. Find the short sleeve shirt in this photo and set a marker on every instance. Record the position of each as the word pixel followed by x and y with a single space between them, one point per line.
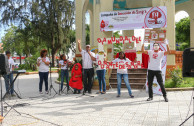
pixel 43 67
pixel 62 62
pixel 122 62
pixel 87 60
pixel 155 60
pixel 11 63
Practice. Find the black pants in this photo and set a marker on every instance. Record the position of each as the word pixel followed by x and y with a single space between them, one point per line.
pixel 158 75
pixel 88 79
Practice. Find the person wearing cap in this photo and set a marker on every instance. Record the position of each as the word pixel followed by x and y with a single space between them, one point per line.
pixel 101 73
pixel 87 62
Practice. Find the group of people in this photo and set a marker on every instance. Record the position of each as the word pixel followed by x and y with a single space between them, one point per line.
pixel 84 73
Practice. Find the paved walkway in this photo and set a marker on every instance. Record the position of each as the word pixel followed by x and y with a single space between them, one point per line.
pixel 100 110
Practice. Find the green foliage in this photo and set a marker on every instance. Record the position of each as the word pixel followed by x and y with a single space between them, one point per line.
pixel 117 47
pixel 183 46
pixel 176 75
pixel 116 34
pixel 41 23
pixel 87 34
pixel 187 82
pixel 183 33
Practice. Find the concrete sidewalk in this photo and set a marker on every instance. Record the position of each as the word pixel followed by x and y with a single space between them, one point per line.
pixel 100 110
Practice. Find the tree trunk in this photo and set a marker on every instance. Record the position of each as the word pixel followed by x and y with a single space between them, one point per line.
pixel 53 58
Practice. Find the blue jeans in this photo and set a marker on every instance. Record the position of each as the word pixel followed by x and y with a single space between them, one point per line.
pixel 64 73
pixel 126 80
pixel 101 79
pixel 8 81
pixel 43 76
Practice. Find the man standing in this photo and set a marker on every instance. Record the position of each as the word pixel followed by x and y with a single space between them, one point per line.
pixel 9 77
pixel 87 62
pixel 154 68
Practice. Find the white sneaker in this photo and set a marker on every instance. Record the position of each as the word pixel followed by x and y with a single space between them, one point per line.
pixel 40 92
pixel 47 92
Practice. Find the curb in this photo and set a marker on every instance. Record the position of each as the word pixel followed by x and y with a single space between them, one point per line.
pixel 167 89
pixel 29 73
pixel 180 89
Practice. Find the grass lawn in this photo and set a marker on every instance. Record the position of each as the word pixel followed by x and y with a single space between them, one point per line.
pixel 187 82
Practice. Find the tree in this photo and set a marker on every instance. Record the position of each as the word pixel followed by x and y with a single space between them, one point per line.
pixel 87 34
pixel 183 33
pixel 117 47
pixel 51 20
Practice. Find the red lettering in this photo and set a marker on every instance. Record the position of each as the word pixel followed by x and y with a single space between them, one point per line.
pixel 117 41
pixel 99 62
pixel 133 38
pixel 140 38
pixel 110 41
pixel 113 66
pixel 99 40
pixel 129 40
pixel 137 40
pixel 121 38
pixel 126 38
pixel 113 39
pixel 116 64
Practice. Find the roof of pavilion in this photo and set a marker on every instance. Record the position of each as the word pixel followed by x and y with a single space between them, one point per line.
pixel 128 4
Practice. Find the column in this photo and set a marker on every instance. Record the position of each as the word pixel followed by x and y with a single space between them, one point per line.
pixel 170 4
pixel 192 30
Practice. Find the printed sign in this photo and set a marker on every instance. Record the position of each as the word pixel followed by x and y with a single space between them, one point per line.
pixel 155 35
pixel 155 17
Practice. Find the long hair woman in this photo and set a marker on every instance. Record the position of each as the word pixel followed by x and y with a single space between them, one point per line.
pixel 122 73
pixel 63 65
pixel 43 64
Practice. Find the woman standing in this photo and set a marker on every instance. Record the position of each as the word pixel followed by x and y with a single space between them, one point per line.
pixel 122 72
pixel 43 64
pixel 101 75
pixel 63 64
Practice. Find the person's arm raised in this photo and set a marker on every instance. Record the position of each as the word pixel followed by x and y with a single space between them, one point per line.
pixel 168 50
pixel 79 45
pixel 143 50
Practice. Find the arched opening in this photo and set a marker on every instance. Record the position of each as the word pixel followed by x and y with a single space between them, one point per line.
pixel 182 30
pixel 87 28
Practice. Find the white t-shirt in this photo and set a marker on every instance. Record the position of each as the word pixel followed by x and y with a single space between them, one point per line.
pixel 11 63
pixel 99 66
pixel 122 62
pixel 43 67
pixel 87 61
pixel 155 60
pixel 62 62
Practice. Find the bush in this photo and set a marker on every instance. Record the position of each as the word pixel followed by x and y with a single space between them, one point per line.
pixel 176 75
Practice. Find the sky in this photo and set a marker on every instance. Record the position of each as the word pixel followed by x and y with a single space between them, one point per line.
pixel 178 17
